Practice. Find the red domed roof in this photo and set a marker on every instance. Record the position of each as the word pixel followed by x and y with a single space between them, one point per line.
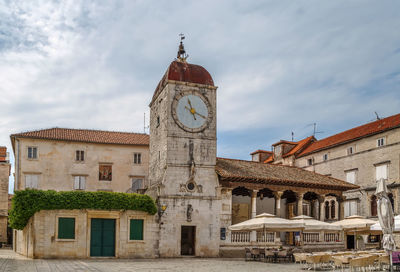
pixel 185 72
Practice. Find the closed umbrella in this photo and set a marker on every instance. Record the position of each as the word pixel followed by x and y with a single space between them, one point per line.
pixel 386 218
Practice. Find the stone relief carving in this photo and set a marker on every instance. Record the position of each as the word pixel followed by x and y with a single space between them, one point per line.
pixel 189 212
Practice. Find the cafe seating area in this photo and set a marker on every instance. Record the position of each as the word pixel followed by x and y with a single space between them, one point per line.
pixel 369 260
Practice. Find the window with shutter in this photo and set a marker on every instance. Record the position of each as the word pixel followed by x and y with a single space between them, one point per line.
pixel 381 171
pixel 350 208
pixel 136 229
pixel 31 181
pixel 79 182
pixel 351 177
pixel 66 228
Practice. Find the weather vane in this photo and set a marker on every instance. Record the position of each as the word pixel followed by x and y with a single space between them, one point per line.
pixel 182 56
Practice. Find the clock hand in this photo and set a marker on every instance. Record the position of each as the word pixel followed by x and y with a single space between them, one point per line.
pixel 192 111
pixel 201 115
pixel 190 103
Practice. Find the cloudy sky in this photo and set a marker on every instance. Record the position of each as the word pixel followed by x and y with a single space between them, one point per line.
pixel 280 65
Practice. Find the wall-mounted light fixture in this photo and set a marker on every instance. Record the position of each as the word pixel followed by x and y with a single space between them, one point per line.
pixel 161 209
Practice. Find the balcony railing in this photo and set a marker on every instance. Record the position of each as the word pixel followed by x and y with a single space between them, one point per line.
pixel 311 237
pixel 240 236
pixel 331 237
pixel 265 237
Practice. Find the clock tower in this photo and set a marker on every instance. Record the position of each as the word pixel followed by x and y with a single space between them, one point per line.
pixel 182 174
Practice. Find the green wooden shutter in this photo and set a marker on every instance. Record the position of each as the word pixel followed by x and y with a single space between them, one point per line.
pixel 66 228
pixel 136 229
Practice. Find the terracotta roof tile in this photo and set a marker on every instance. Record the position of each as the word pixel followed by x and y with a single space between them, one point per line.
pixel 277 175
pixel 269 159
pixel 299 146
pixel 87 135
pixel 354 134
pixel 185 72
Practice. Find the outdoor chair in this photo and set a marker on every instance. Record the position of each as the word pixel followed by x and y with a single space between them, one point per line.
pixel 247 254
pixel 283 255
pixel 299 257
pixel 359 263
pixel 313 261
pixel 338 262
pixel 383 262
pixel 269 255
pixel 325 261
pixel 371 262
pixel 255 253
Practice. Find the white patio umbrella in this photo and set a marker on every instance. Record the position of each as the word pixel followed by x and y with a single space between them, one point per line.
pixel 377 226
pixel 310 223
pixel 386 219
pixel 356 223
pixel 268 222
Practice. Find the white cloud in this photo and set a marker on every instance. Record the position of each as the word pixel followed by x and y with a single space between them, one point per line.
pixel 280 65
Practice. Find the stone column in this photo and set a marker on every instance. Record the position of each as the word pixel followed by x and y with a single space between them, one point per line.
pixel 278 196
pixel 299 203
pixel 340 201
pixel 253 234
pixel 254 203
pixel 321 201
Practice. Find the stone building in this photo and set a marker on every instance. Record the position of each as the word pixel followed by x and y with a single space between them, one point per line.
pixel 198 195
pixel 64 159
pixel 360 155
pixel 75 159
pixel 5 168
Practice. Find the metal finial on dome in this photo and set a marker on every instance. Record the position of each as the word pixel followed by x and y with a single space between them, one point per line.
pixel 182 56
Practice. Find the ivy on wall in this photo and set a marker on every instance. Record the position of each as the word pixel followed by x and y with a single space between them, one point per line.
pixel 26 203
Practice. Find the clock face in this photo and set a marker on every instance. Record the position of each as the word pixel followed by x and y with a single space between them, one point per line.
pixel 191 111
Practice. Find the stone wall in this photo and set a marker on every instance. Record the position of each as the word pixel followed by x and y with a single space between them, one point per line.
pixel 56 165
pixel 39 238
pixel 4 176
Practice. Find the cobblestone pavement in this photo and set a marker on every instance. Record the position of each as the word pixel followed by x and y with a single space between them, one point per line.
pixel 12 262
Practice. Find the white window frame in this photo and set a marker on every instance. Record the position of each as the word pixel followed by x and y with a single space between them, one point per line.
pixel 137 158
pixel 79 182
pixel 32 157
pixel 32 181
pixel 380 142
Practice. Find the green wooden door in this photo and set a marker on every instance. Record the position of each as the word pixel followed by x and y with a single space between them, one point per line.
pixel 102 237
